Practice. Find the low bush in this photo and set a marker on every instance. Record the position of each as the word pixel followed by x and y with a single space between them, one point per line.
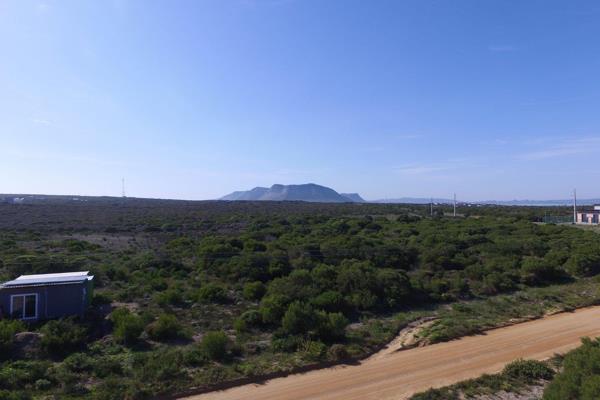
pixel 299 318
pixel 331 326
pixel 166 327
pixel 8 330
pixel 170 297
pixel 78 362
pixel 17 395
pixel 286 343
pixel 101 299
pixel 254 290
pixel 214 344
pixel 212 293
pixel 338 352
pixel 514 377
pixel 528 370
pixel 19 374
pixel 127 326
pixel 62 336
pixel 248 320
pixel 437 394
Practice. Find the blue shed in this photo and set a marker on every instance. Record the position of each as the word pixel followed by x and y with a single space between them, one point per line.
pixel 46 296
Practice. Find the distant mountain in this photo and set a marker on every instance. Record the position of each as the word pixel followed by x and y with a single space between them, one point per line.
pixel 353 197
pixel 254 194
pixel 306 192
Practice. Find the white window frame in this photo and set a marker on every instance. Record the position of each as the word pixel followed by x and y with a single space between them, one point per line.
pixel 12 296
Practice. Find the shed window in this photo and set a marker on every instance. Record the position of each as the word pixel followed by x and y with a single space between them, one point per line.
pixel 24 306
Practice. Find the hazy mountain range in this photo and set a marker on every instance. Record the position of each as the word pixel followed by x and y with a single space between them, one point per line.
pixel 307 192
pixel 316 193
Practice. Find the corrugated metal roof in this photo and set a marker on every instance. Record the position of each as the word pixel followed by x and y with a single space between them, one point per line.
pixel 48 279
pixel 27 285
pixel 59 275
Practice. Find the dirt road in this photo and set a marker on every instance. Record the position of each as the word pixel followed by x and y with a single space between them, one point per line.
pixel 398 375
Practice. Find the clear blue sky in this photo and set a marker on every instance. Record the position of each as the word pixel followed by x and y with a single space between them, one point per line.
pixel 195 99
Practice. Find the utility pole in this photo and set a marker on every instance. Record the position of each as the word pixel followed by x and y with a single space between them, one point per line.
pixel 431 204
pixel 574 206
pixel 455 204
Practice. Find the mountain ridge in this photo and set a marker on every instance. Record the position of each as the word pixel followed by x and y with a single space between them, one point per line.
pixel 310 192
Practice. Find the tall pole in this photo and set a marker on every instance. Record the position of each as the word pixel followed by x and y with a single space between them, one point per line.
pixel 123 187
pixel 431 204
pixel 574 206
pixel 455 204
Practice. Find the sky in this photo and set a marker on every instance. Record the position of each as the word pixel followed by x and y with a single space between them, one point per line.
pixel 400 98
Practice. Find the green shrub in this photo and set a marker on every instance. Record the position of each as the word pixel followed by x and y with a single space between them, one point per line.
pixel 114 388
pixel 331 326
pixel 166 327
pixel 212 293
pixel 62 336
pixel 254 290
pixel 17 395
pixel 579 377
pixel 299 318
pixel 161 366
pixel 272 308
pixel 170 297
pixel 127 326
pixel 584 264
pixel 78 362
pixel 338 352
pixel 437 394
pixel 528 370
pixel 214 344
pixel 42 384
pixel 18 374
pixel 330 301
pixel 8 330
pixel 248 320
pixel 240 325
pixel 100 299
pixel 313 350
pixel 194 357
pixel 287 343
pixel 106 366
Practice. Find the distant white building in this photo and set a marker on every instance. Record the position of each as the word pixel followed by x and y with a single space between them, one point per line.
pixel 589 217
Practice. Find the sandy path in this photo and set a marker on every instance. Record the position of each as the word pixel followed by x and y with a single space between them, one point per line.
pixel 398 375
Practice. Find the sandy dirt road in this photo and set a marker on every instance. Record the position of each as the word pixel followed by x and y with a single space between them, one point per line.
pixel 398 375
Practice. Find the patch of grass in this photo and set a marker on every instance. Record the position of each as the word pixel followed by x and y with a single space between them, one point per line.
pixel 468 318
pixel 515 377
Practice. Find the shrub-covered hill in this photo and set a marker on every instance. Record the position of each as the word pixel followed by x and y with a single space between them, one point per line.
pixel 205 292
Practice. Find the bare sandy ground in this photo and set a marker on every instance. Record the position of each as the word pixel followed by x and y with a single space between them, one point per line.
pixel 398 375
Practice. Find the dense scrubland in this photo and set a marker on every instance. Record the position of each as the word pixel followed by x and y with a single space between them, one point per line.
pixel 192 294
